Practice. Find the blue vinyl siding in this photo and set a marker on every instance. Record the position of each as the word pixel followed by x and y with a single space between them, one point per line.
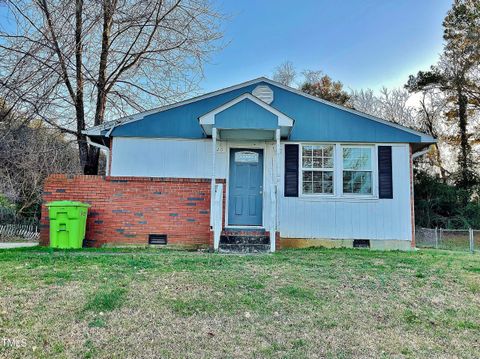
pixel 314 121
pixel 181 122
pixel 246 115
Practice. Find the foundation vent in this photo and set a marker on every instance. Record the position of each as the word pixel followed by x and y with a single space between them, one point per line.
pixel 157 239
pixel 361 243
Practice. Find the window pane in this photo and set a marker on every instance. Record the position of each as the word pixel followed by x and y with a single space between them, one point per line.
pixel 307 182
pixel 317 151
pixel 317 162
pixel 307 162
pixel 328 163
pixel 307 176
pixel 358 182
pixel 318 158
pixel 328 151
pixel 317 187
pixel 317 176
pixel 307 151
pixel 357 158
pixel 327 182
pixel 317 182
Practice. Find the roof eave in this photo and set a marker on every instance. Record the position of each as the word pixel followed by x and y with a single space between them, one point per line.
pixel 96 131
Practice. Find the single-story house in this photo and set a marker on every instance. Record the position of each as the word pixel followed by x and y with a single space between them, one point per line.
pixel 255 166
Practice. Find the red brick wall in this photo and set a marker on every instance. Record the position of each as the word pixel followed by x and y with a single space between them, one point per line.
pixel 127 209
pixel 412 199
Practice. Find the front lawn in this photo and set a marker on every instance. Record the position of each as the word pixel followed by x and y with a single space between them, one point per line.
pixel 293 304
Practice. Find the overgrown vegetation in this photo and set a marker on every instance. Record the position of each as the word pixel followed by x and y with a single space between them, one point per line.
pixel 443 205
pixel 293 304
pixel 29 152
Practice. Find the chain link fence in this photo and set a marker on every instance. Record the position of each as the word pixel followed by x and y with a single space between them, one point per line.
pixel 450 239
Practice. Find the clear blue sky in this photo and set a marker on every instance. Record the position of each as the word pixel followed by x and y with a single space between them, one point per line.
pixel 363 43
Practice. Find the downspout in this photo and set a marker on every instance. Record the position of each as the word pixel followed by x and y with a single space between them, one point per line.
pixel 420 153
pixel 412 190
pixel 110 131
pixel 107 155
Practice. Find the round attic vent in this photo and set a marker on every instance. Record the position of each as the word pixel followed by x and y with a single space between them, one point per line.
pixel 264 93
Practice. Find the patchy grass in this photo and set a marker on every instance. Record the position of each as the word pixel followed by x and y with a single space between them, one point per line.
pixel 105 299
pixel 293 304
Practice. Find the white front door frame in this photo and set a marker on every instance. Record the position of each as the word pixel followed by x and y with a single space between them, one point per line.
pixel 246 145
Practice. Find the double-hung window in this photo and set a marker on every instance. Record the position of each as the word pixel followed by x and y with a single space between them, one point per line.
pixel 357 170
pixel 317 169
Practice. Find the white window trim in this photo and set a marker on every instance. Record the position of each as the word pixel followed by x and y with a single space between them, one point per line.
pixel 374 171
pixel 338 173
pixel 301 169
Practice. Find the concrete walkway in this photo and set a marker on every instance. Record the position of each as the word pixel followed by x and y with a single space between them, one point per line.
pixel 8 245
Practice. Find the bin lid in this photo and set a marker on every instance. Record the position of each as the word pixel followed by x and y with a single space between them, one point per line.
pixel 67 204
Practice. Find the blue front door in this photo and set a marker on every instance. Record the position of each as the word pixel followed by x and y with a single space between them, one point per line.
pixel 245 189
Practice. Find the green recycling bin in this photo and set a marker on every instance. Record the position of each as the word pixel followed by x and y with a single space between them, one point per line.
pixel 68 220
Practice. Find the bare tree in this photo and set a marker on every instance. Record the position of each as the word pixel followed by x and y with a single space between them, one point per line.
pixel 366 101
pixel 392 105
pixel 423 111
pixel 285 73
pixel 432 106
pixel 76 63
pixel 312 76
pixel 28 154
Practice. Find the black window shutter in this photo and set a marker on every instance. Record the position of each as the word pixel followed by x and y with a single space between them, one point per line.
pixel 291 171
pixel 385 182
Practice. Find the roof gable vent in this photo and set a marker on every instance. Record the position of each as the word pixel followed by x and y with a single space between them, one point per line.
pixel 264 93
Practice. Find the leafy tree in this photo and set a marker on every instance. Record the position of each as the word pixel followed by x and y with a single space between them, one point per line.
pixel 439 204
pixel 328 90
pixel 315 83
pixel 454 75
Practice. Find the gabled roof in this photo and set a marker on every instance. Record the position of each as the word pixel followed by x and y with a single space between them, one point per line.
pixel 323 122
pixel 95 130
pixel 208 118
pixel 246 112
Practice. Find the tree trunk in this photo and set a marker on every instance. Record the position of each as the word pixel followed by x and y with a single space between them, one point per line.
pixel 438 158
pixel 464 157
pixel 102 70
pixel 89 156
pixel 79 104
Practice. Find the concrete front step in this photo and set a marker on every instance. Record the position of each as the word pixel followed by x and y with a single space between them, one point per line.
pixel 244 240
pixel 244 248
pixel 244 232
